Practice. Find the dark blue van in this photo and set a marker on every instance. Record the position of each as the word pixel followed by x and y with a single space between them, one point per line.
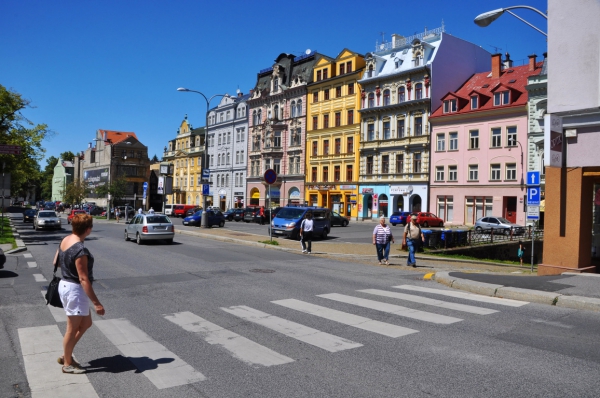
pixel 287 221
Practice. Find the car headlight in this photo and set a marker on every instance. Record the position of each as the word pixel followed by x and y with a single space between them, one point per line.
pixel 40 221
pixel 292 224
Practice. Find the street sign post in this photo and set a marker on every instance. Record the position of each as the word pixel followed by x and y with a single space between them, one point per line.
pixel 533 178
pixel 205 189
pixel 206 174
pixel 533 212
pixel 270 178
pixel 533 196
pixel 10 149
pixel 145 190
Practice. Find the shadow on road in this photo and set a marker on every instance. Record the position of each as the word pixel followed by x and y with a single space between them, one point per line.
pixel 119 364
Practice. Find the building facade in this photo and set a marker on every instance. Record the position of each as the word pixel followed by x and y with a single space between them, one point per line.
pixel 478 160
pixel 184 153
pixel 333 132
pixel 277 123
pixel 402 81
pixel 63 175
pixel 228 150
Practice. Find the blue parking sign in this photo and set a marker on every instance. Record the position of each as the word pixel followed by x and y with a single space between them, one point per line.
pixel 533 195
pixel 205 189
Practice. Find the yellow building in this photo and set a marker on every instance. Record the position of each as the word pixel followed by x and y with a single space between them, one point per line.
pixel 185 153
pixel 333 133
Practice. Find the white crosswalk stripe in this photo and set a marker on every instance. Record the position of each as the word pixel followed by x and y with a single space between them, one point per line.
pixel 240 347
pixel 466 296
pixel 436 303
pixel 31 264
pixel 162 367
pixel 40 278
pixel 392 309
pixel 386 329
pixel 294 330
pixel 27 255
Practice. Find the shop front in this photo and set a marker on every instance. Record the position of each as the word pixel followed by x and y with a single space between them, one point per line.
pixel 338 198
pixel 238 200
pixel 376 202
pixel 408 197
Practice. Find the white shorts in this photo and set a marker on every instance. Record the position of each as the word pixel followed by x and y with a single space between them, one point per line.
pixel 74 300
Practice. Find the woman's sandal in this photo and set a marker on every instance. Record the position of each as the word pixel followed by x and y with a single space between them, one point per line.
pixel 61 361
pixel 73 370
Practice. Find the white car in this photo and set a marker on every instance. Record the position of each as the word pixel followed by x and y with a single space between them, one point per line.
pixel 46 219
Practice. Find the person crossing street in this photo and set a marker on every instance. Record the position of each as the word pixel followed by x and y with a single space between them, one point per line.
pixel 413 238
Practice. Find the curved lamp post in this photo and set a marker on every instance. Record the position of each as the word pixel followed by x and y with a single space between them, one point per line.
pixel 487 18
pixel 204 220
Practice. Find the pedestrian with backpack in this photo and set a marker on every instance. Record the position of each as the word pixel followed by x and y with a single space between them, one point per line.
pixel 413 239
pixel 306 231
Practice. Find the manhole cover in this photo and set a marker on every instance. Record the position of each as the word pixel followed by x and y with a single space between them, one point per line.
pixel 264 271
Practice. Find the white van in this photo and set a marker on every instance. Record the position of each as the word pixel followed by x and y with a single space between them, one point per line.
pixel 169 209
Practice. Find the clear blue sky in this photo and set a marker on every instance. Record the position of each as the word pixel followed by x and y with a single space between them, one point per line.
pixel 116 65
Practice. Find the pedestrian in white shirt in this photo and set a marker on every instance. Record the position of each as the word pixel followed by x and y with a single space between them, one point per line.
pixel 151 211
pixel 306 231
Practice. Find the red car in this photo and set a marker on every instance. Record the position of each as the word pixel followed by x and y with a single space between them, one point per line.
pixel 425 219
pixel 72 214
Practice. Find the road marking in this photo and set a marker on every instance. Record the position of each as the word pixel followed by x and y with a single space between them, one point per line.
pixel 433 302
pixel 294 330
pixel 28 255
pixel 466 296
pixel 240 347
pixel 163 368
pixel 392 309
pixel 40 278
pixel 58 313
pixel 31 264
pixel 40 347
pixel 428 276
pixel 386 329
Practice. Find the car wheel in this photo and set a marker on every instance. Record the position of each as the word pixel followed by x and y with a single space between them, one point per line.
pixel 425 224
pixel 394 224
pixel 345 223
pixel 478 229
pixel 126 237
pixel 324 234
pixel 138 239
pixel 441 224
pixel 222 224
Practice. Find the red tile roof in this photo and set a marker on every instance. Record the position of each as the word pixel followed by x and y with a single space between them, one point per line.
pixel 117 136
pixel 476 85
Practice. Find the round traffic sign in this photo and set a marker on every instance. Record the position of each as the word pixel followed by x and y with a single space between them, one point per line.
pixel 270 176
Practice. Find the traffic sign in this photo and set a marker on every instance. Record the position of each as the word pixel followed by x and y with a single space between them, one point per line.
pixel 533 196
pixel 205 189
pixel 145 189
pixel 206 174
pixel 10 149
pixel 533 178
pixel 533 212
pixel 270 176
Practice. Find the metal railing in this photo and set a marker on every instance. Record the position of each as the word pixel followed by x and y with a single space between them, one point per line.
pixel 446 239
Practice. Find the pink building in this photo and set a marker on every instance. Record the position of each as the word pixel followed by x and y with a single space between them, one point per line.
pixel 479 144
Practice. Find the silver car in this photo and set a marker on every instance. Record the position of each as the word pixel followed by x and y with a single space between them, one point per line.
pixel 46 219
pixel 499 224
pixel 146 227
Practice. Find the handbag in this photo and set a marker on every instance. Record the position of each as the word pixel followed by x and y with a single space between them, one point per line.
pixel 52 296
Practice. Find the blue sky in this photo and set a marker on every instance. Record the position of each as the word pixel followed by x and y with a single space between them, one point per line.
pixel 116 65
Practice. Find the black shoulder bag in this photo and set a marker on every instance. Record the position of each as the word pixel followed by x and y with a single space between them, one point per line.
pixel 52 296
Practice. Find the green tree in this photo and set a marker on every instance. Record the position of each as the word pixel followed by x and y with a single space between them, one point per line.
pixel 155 159
pixel 67 156
pixel 117 189
pixel 75 192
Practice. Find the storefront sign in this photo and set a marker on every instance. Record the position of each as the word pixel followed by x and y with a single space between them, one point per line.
pixel 238 193
pixel 347 186
pixel 402 189
pixel 553 134
pixel 352 198
pixel 367 190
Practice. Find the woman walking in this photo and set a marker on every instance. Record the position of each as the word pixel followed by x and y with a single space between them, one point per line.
pixel 75 288
pixel 117 213
pixel 413 237
pixel 306 231
pixel 382 237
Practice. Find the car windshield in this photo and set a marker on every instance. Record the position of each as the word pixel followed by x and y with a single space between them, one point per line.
pixel 46 214
pixel 290 213
pixel 157 219
pixel 396 213
pixel 503 220
pixel 198 213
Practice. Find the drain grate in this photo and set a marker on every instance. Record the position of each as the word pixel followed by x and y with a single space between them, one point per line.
pixel 263 271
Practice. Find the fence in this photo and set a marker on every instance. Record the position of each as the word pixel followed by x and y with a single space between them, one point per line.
pixel 449 238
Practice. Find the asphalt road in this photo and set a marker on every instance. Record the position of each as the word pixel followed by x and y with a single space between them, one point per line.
pixel 206 318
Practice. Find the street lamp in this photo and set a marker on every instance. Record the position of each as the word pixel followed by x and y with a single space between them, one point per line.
pixel 487 18
pixel 204 220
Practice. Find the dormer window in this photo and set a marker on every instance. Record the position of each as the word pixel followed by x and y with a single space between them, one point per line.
pixel 474 101
pixel 450 106
pixel 501 98
pixel 276 84
pixel 397 62
pixel 318 75
pixel 342 69
pixel 325 72
pixel 370 71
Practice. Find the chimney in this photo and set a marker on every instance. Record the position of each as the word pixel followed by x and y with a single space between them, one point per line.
pixel 496 65
pixel 532 58
pixel 105 136
pixel 508 62
pixel 239 93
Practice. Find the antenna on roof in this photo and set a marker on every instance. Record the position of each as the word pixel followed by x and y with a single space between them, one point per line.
pixel 496 48
pixel 382 37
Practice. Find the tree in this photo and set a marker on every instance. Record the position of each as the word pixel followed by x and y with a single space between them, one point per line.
pixel 155 159
pixel 67 156
pixel 75 192
pixel 117 189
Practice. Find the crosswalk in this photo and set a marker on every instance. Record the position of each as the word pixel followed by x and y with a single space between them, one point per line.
pixel 164 368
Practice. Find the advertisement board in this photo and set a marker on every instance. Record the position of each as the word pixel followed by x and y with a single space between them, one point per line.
pixel 95 178
pixel 553 135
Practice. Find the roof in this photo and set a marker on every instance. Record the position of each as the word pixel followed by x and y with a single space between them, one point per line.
pixel 66 163
pixel 117 136
pixel 514 79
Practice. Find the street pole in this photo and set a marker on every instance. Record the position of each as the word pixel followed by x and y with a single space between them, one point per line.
pixel 532 243
pixel 270 210
pixel 2 224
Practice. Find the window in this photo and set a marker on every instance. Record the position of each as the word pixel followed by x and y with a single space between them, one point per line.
pixel 399 163
pixel 369 164
pixel 350 88
pixel 350 145
pixel 338 146
pixel 315 146
pixel 452 173
pixel 453 141
pixel 370 132
pixel 371 102
pixel 474 101
pixel 450 106
pixel 401 94
pixel 501 98
pixel 511 136
pixel 400 128
pixel 386 97
pixel 370 71
pixel 338 91
pixel 418 126
pixel 229 137
pixel 474 139
pixel 299 108
pixel 439 173
pixel 325 121
pixel 349 176
pixel 315 123
pixel 325 147
pixel 275 84
pixel 385 164
pixel 318 75
pixel 277 139
pixel 473 172
pixel 277 165
pixel 418 91
pixel 350 117
pixel 293 108
pixel 325 73
pixel 445 208
pixel 441 142
pixel 496 137
pixel 316 96
pixel 386 130
pixel 511 171
pixel 342 69
pixel 267 164
pixel 495 172
pixel 326 94
pixel 325 173
pixel 314 174
pixel 336 173
pixel 417 163
pixel 338 119
pixel 295 139
pixel 348 66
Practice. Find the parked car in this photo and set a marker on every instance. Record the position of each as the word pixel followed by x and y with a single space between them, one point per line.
pixel 147 227
pixel 46 219
pixel 72 214
pixel 287 221
pixel 426 219
pixel 180 210
pixel 238 215
pixel 49 206
pixel 499 224
pixel 130 211
pixel 192 211
pixel 229 214
pixel 213 218
pixel 337 219
pixel 250 213
pixel 399 217
pixel 29 215
pixel 95 210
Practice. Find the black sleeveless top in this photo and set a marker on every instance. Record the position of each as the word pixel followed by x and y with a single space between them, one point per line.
pixel 66 261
